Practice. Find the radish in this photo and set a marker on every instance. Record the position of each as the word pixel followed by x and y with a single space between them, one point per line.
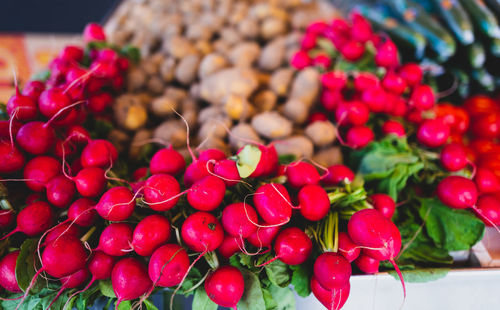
pixel 300 173
pixel 367 264
pixel 93 32
pixel 352 50
pixel 359 136
pixel 168 265
pixel 412 73
pixel 202 232
pixel 8 272
pixel 292 246
pixel 488 209
pixel 332 270
pixel 394 128
pixel 486 181
pixel 71 53
pixel 34 219
pixel 268 163
pixel 317 117
pixel 207 194
pixel 387 55
pixel 99 153
pixel 352 113
pixel 7 218
pixel 331 299
pixel 230 245
pixel 361 29
pixel 308 41
pixel 457 192
pixel 337 174
pixel 64 256
pixel 453 157
pixel 238 220
pixel 150 233
pixel 225 286
pixel 82 212
pixel 33 89
pixel 300 60
pixel 196 171
pixel 313 202
pixel 264 236
pixel 21 107
pixel 140 174
pixel 394 83
pixel 90 182
pixel 365 81
pixel 335 80
pixel 433 133
pixel 36 137
pixel 210 154
pixel 167 161
pixel 97 103
pixel 329 99
pixel 39 170
pixel 227 170
pixel 347 247
pixel 161 192
pixel 273 203
pixel 60 191
pixel 422 97
pixel 130 279
pixel 11 159
pixel 6 127
pixel 384 204
pixel 74 280
pixel 52 101
pixel 62 229
pixel 116 239
pixel 374 97
pixel 116 204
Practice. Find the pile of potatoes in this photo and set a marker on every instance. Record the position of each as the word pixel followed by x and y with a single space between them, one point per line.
pixel 224 66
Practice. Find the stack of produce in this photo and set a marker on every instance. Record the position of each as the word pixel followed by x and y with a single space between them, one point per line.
pixel 221 64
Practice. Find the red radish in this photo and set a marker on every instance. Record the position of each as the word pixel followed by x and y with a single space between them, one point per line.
pixel 73 280
pixel 347 247
pixel 52 101
pixel 457 192
pixel 486 125
pixel 361 29
pixel 352 50
pixel 167 161
pixel 62 229
pixel 387 55
pixel 332 270
pixel 64 256
pixel 433 133
pixel 301 173
pixel 140 174
pixel 99 102
pixel 116 204
pixel 225 286
pixel 486 181
pixel 93 32
pixel 329 99
pixel 414 116
pixel 210 154
pixel 263 237
pixel 227 170
pixel 168 265
pixel 331 299
pixel 150 233
pixel 335 80
pixel 130 279
pixel 394 83
pixel 422 97
pixel 317 117
pixel 394 128
pixel 313 202
pixel 36 137
pixel 308 41
pixel 33 89
pixel 238 220
pixel 99 153
pixel 300 60
pixel 82 212
pixel 453 157
pixel 11 159
pixel 78 135
pixel 359 136
pixel 207 194
pixel 317 27
pixel 6 127
pixel 72 53
pixel 396 106
pixel 104 69
pixel 161 192
pixel 34 219
pixel 353 113
pixel 8 272
pixel 90 182
pixel 367 264
pixel 273 203
pixel 480 104
pixel 365 81
pixel 196 171
pixel 375 98
pixel 384 204
pixel 292 246
pixel 60 191
pixel 24 107
pixel 116 239
pixel 7 218
pixel 202 232
pixel 488 209
pixel 230 245
pixel 412 73
pixel 337 174
pixel 323 61
pixel 101 265
pixel 268 163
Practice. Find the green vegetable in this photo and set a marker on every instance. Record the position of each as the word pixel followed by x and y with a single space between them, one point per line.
pixel 482 17
pixel 25 270
pixel 476 55
pixel 201 300
pixel 253 298
pixel 457 20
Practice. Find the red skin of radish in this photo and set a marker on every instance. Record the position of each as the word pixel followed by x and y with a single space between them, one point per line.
pixel 168 265
pixel 375 98
pixel 130 279
pixel 33 89
pixel 359 136
pixel 78 134
pixel 268 163
pixel 361 29
pixel 353 113
pixel 90 182
pixel 207 194
pixel 308 41
pixel 159 188
pixel 453 157
pixel 52 100
pixel 335 80
pixel 98 153
pixel 64 256
pixel 486 126
pixel 433 133
pixel 196 171
pixel 25 106
pixel 167 161
pixel 367 264
pixel 365 80
pixel 352 50
pixel 5 130
pixel 412 73
pixel 63 229
pixel 140 174
pixel 394 128
pixel 11 159
pixel 330 99
pixel 34 219
pixel 387 55
pixel 230 245
pixel 72 53
pixel 347 247
pixel 36 138
pixel 336 174
pixel 488 206
pixel 116 239
pixel 317 27
pixel 202 232
pixel 317 117
pixel 332 270
pixel 76 279
pixel 225 286
pixel 331 299
pixel 422 97
pixel 384 204
pixel 101 265
pixel 236 221
pixel 227 169
pixel 82 212
pixel 457 192
pixel 60 191
pixel 313 202
pixel 8 272
pixel 299 174
pixel 209 154
pixel 271 206
pixel 93 32
pixel 323 61
pixel 7 218
pixel 264 236
pixel 99 102
pixel 292 246
pixel 116 204
pixel 394 83
pixel 486 181
pixel 150 233
pixel 300 60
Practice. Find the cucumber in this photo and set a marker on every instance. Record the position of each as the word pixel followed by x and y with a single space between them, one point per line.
pixel 484 79
pixel 495 47
pixel 482 17
pixel 463 80
pixel 476 55
pixel 457 20
pixel 494 6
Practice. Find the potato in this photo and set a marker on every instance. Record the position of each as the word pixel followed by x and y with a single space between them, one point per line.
pixel 164 106
pixel 329 156
pixel 244 54
pixel 306 86
pixel 321 133
pixel 172 131
pixel 129 112
pixel 241 133
pixel 272 125
pixel 273 54
pixel 280 81
pixel 299 146
pixel 167 69
pixel 238 81
pixel 155 85
pixel 139 141
pixel 211 63
pixel 296 110
pixel 187 69
pixel 264 100
pixel 238 108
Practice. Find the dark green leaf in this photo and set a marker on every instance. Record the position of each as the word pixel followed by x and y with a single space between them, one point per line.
pixel 106 288
pixel 201 300
pixel 100 128
pixel 25 266
pixel 271 304
pixel 124 305
pixel 252 297
pixel 301 280
pixel 42 76
pixel 286 159
pixel 150 305
pixel 191 280
pixel 421 275
pixel 284 297
pixel 278 273
pixel 132 53
pixel 235 261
